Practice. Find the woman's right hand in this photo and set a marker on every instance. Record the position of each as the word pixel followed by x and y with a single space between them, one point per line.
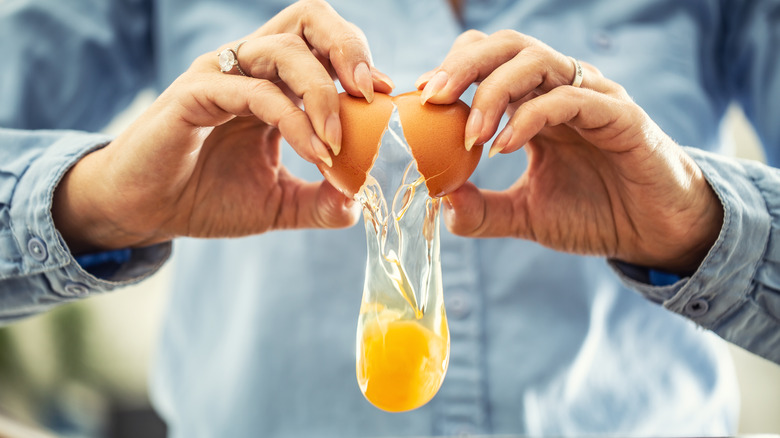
pixel 204 159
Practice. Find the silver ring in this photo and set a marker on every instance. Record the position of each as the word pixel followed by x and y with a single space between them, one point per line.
pixel 228 59
pixel 577 81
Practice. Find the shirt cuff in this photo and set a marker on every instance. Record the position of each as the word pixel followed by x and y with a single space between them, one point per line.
pixel 721 294
pixel 43 271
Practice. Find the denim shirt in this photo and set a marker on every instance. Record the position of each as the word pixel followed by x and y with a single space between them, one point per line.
pixel 259 336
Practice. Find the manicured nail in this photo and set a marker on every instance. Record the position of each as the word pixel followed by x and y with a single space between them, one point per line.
pixel 363 81
pixel 436 84
pixel 447 202
pixel 333 133
pixel 320 150
pixel 473 127
pixel 383 78
pixel 424 78
pixel 501 141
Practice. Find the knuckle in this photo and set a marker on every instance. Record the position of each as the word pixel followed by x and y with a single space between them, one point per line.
pixel 310 6
pixel 532 108
pixel 353 42
pixel 491 90
pixel 206 61
pixel 289 41
pixel 291 114
pixel 322 90
pixel 507 34
pixel 538 53
pixel 260 87
pixel 472 35
pixel 618 90
pixel 357 31
pixel 310 10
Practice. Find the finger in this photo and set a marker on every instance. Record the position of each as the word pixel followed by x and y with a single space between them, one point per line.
pixel 382 82
pixel 472 62
pixel 461 41
pixel 528 72
pixel 472 212
pixel 213 99
pixel 340 41
pixel 287 58
pixel 316 205
pixel 509 66
pixel 531 72
pixel 608 122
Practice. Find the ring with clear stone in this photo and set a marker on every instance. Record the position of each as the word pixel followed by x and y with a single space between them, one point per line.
pixel 228 60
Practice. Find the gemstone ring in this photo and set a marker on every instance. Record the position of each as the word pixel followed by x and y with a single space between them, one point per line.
pixel 228 60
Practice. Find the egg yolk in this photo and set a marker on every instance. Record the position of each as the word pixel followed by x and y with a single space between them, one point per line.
pixel 401 364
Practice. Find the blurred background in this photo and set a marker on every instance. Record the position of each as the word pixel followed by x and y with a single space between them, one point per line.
pixel 81 370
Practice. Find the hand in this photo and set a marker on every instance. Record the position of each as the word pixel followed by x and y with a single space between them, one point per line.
pixel 602 177
pixel 204 159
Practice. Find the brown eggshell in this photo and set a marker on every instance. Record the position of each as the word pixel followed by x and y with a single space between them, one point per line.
pixel 435 134
pixel 362 126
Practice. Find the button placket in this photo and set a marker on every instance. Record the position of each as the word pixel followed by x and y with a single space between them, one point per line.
pixel 461 402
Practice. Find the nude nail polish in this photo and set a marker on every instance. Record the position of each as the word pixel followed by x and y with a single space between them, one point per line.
pixel 321 151
pixel 501 142
pixel 333 133
pixel 363 81
pixel 383 78
pixel 473 127
pixel 434 86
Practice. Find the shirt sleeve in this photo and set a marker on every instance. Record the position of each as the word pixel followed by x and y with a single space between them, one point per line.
pixel 736 290
pixel 37 271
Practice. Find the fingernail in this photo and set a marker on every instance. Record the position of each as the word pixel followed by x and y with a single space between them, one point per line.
pixel 436 84
pixel 425 77
pixel 363 81
pixel 333 133
pixel 383 78
pixel 320 150
pixel 447 202
pixel 501 141
pixel 473 127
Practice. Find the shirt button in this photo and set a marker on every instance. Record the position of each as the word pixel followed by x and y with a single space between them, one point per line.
pixel 459 306
pixel 696 307
pixel 76 289
pixel 37 249
pixel 464 431
pixel 602 41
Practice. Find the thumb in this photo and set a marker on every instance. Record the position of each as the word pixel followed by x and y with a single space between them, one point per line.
pixel 320 205
pixel 472 212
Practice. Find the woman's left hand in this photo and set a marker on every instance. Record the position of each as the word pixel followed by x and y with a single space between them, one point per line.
pixel 602 177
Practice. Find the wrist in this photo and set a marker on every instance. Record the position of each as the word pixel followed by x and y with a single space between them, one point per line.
pixel 84 210
pixel 702 232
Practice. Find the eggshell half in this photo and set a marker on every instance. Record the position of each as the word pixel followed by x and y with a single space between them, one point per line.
pixel 362 126
pixel 435 134
pixel 436 137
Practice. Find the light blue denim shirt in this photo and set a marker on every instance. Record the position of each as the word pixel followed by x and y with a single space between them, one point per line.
pixel 259 337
